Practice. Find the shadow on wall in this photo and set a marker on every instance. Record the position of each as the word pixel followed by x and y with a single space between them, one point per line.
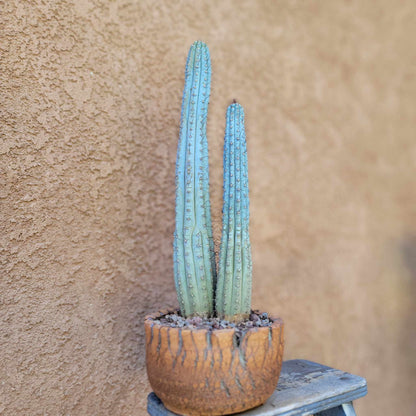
pixel 408 250
pixel 408 338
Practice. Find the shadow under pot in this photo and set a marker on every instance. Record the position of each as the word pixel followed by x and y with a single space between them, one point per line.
pixel 198 371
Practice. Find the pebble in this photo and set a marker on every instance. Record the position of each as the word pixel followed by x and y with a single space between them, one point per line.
pixel 254 317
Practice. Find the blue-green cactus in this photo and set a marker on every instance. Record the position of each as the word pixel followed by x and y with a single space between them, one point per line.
pixel 233 291
pixel 194 259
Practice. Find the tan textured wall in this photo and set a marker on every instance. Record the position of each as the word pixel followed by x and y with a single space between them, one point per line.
pixel 90 106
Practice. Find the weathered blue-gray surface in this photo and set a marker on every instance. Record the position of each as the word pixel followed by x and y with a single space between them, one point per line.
pixel 305 388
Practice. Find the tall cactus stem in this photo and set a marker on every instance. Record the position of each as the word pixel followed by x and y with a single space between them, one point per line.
pixel 194 259
pixel 233 292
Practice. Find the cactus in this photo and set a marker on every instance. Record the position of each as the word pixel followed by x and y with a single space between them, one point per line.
pixel 233 291
pixel 194 258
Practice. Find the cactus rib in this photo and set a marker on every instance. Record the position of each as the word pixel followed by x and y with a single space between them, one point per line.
pixel 194 259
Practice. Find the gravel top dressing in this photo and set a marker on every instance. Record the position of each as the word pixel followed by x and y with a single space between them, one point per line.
pixel 256 319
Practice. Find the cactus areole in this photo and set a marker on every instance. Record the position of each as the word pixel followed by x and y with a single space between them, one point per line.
pixel 214 356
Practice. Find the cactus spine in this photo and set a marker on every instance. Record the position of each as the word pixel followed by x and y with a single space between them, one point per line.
pixel 194 259
pixel 233 292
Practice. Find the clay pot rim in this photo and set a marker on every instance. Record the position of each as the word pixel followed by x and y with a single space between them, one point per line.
pixel 150 320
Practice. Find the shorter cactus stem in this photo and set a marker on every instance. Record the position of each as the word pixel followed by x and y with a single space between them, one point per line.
pixel 233 292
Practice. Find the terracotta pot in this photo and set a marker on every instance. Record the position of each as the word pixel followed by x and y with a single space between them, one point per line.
pixel 212 372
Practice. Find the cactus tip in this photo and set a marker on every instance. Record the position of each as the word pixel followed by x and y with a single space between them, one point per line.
pixel 199 43
pixel 235 104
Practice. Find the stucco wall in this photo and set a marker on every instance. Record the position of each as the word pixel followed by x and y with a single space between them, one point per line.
pixel 90 107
